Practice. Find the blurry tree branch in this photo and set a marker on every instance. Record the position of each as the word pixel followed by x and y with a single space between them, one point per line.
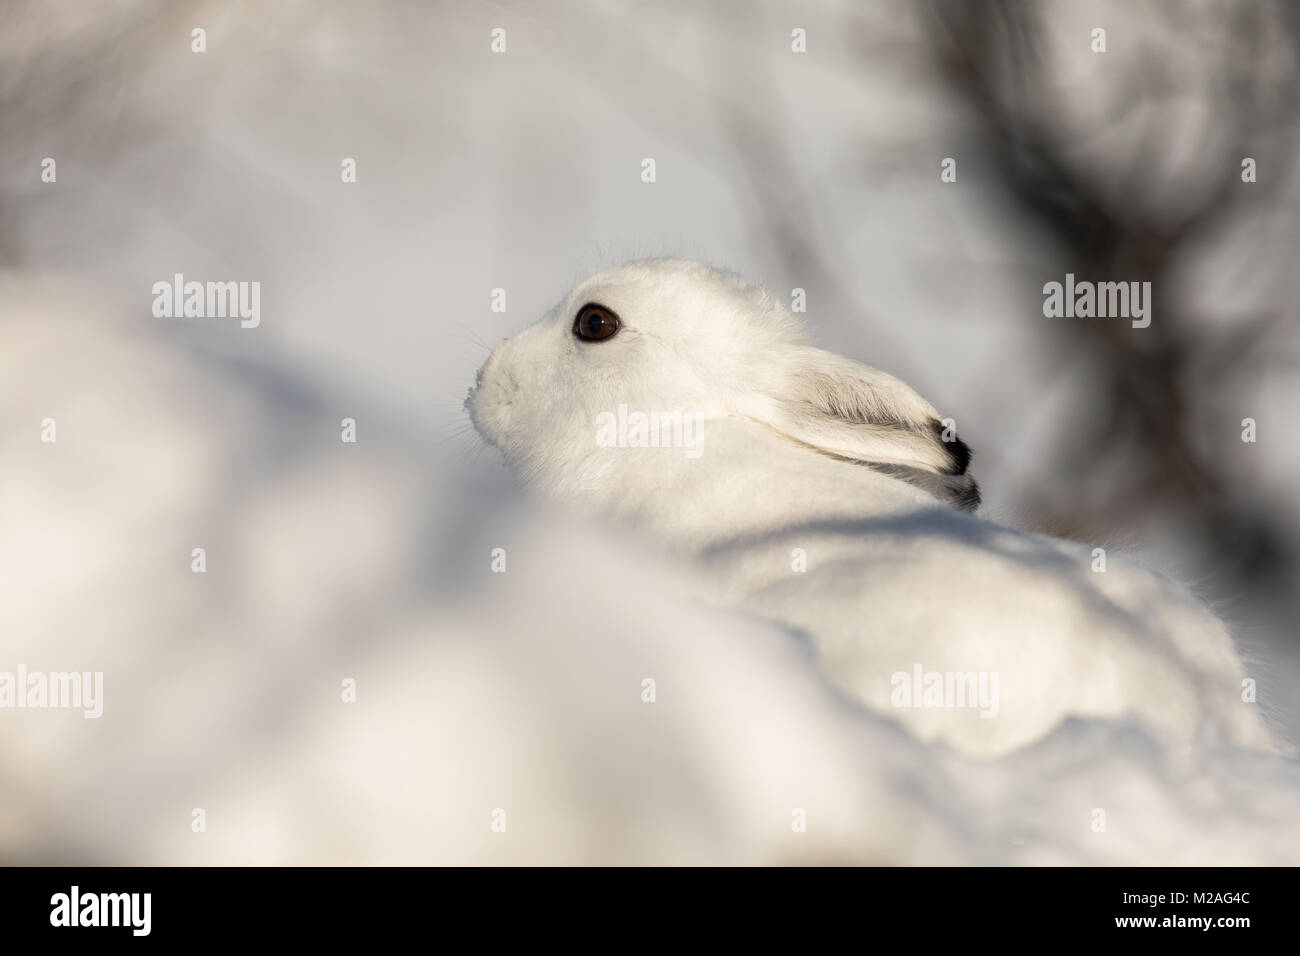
pixel 1155 381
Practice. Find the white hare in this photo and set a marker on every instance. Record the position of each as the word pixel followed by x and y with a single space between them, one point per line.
pixel 821 493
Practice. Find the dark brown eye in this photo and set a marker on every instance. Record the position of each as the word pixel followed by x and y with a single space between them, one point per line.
pixel 595 323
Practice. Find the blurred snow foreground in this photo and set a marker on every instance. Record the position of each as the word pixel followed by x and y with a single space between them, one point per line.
pixel 499 717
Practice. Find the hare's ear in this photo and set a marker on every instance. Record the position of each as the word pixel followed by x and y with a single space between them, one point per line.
pixel 851 411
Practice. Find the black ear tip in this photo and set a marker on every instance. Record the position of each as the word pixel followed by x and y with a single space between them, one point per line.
pixel 969 498
pixel 959 453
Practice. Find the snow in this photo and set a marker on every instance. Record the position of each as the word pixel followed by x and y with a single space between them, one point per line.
pixel 477 691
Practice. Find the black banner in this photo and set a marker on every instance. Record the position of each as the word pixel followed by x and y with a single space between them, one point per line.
pixel 985 906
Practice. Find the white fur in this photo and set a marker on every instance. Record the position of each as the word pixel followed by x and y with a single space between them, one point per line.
pixel 804 449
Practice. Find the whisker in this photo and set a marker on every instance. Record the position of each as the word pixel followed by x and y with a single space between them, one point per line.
pixel 474 337
pixel 455 433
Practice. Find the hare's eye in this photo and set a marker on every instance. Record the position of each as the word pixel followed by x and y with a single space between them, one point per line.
pixel 595 323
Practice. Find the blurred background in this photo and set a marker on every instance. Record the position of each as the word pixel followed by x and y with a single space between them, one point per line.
pixel 521 170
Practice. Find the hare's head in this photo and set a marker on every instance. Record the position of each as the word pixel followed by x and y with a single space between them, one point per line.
pixel 671 335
